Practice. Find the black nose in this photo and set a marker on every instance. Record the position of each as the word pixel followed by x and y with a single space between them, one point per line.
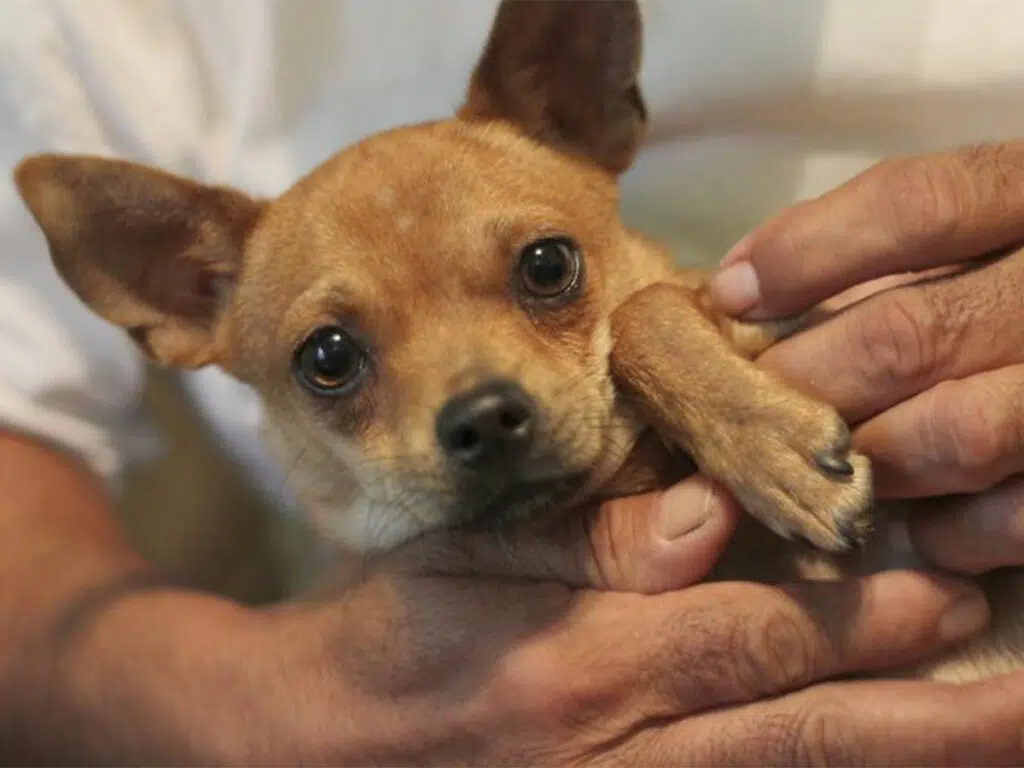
pixel 487 426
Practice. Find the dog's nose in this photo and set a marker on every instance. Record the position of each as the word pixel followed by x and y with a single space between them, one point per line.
pixel 486 426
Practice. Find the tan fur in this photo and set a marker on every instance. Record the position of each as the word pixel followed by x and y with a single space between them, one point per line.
pixel 410 240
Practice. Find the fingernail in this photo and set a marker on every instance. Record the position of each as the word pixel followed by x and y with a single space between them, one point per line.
pixel 994 520
pixel 737 252
pixel 966 617
pixel 684 508
pixel 736 288
pixel 998 518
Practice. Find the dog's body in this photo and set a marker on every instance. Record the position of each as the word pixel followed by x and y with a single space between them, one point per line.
pixel 449 324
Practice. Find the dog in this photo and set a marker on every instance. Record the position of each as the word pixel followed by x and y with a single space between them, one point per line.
pixel 451 326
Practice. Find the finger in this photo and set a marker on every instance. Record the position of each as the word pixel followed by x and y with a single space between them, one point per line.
pixel 856 723
pixel 862 291
pixel 731 643
pixel 972 534
pixel 650 543
pixel 961 436
pixel 900 342
pixel 904 214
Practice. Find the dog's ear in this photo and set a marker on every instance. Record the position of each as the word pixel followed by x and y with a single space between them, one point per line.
pixel 566 73
pixel 153 253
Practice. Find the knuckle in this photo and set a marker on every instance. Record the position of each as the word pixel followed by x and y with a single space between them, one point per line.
pixel 819 735
pixel 699 673
pixel 921 202
pixel 988 169
pixel 697 662
pixel 773 653
pixel 528 682
pixel 534 684
pixel 773 739
pixel 797 735
pixel 979 431
pixel 896 340
pixel 733 655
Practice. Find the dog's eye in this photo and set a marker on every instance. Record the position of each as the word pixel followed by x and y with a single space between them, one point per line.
pixel 549 267
pixel 329 360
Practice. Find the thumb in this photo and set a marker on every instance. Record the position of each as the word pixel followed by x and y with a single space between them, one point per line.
pixel 651 543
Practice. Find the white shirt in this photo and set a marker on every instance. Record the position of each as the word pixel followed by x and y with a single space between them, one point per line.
pixel 754 104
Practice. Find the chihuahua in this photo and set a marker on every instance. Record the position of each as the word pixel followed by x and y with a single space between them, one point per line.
pixel 451 326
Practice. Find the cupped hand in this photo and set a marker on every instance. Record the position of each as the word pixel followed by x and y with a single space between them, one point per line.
pixel 914 263
pixel 479 652
pixel 494 653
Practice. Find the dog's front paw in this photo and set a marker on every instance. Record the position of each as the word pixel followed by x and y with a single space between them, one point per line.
pixel 790 464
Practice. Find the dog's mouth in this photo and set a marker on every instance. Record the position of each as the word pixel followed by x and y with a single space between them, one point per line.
pixel 523 501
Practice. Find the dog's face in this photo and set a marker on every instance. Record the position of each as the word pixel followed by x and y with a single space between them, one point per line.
pixel 426 315
pixel 440 338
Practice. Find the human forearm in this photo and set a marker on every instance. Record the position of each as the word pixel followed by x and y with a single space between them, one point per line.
pixel 154 677
pixel 59 535
pixel 84 619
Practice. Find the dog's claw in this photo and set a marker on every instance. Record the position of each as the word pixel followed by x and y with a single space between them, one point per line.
pixel 852 534
pixel 835 465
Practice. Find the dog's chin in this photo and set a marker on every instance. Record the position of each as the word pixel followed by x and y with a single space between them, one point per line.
pixel 521 502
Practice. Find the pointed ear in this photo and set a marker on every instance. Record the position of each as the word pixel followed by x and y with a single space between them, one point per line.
pixel 155 254
pixel 566 73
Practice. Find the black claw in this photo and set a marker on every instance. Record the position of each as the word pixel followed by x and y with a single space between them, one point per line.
pixel 835 465
pixel 851 534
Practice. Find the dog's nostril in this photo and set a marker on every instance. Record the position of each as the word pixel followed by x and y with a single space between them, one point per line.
pixel 465 440
pixel 489 426
pixel 512 419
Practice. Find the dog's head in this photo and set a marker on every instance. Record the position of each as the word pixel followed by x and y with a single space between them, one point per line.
pixel 426 315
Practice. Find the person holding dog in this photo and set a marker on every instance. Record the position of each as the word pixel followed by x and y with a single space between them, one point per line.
pixel 104 661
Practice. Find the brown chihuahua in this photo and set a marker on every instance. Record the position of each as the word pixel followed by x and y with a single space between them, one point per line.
pixel 449 322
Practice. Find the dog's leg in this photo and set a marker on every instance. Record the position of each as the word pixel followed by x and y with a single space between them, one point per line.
pixel 785 456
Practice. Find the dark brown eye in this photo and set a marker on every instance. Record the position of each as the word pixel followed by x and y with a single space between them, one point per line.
pixel 329 360
pixel 550 267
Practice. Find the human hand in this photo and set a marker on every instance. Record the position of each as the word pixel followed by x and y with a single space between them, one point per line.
pixel 924 348
pixel 460 670
pixel 424 661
